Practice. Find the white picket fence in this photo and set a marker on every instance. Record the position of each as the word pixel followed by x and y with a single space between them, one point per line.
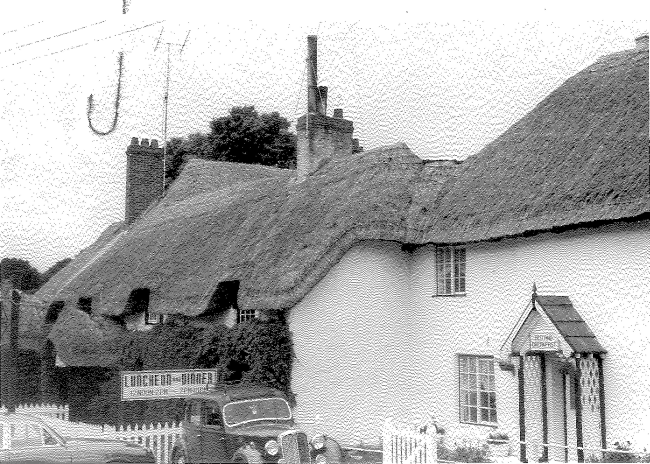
pixel 159 438
pixel 50 410
pixel 402 445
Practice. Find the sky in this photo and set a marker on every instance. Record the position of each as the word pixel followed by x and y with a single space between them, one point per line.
pixel 445 81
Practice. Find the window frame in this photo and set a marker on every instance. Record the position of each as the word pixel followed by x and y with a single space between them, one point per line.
pixel 451 270
pixel 154 319
pixel 244 315
pixel 490 392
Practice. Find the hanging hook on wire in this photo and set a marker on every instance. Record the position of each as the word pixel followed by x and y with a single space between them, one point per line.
pixel 117 102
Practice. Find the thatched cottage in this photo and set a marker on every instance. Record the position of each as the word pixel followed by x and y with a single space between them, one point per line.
pixel 407 284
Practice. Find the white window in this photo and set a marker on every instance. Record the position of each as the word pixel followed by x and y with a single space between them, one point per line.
pixel 153 319
pixel 245 315
pixel 450 270
pixel 478 398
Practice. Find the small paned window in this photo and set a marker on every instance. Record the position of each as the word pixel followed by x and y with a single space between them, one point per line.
pixel 450 270
pixel 478 398
pixel 153 319
pixel 245 315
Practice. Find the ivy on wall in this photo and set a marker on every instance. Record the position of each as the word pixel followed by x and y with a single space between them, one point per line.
pixel 255 351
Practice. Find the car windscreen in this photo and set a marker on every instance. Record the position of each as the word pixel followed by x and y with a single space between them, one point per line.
pixel 239 412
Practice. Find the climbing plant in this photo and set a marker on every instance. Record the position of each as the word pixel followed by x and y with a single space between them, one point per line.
pixel 259 352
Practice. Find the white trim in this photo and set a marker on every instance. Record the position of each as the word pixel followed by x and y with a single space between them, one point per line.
pixel 223 411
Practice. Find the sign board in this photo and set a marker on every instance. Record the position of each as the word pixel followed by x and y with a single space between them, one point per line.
pixel 164 384
pixel 544 342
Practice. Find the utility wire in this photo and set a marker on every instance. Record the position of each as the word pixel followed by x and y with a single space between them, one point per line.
pixel 82 45
pixel 52 37
pixel 20 29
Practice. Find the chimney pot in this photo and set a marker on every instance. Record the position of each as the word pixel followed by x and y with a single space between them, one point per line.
pixel 144 177
pixel 338 113
pixel 313 103
pixel 642 42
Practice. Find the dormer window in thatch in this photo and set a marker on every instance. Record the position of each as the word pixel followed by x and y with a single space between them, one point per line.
pixel 53 312
pixel 450 270
pixel 85 304
pixel 136 312
pixel 223 303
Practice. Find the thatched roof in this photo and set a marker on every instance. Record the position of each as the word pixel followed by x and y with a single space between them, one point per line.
pixel 580 156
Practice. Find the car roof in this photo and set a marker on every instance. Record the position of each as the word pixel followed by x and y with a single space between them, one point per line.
pixel 228 393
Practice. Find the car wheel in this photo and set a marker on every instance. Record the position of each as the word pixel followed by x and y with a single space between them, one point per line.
pixel 333 451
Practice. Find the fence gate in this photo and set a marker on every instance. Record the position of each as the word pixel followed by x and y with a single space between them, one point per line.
pixel 404 446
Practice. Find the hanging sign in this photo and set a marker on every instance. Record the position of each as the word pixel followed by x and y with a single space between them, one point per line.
pixel 163 384
pixel 544 342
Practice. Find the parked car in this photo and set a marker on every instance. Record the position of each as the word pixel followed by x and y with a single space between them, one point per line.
pixel 247 424
pixel 29 439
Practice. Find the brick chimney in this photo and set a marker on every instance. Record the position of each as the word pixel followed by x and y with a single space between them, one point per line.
pixel 145 177
pixel 319 136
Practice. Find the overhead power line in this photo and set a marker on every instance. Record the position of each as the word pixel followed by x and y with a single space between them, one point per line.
pixel 82 45
pixel 52 37
pixel 21 28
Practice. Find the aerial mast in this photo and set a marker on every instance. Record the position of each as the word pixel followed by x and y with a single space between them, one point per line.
pixel 166 97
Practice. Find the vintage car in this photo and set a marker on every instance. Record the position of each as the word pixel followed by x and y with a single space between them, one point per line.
pixel 247 424
pixel 29 439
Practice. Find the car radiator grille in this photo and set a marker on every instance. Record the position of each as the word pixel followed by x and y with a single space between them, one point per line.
pixel 295 448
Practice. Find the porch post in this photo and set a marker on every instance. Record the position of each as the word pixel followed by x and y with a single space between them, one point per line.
pixel 542 367
pixel 522 412
pixel 578 388
pixel 601 385
pixel 564 414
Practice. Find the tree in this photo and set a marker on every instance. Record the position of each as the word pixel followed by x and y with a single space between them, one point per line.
pixel 244 136
pixel 22 274
pixel 180 149
pixel 56 267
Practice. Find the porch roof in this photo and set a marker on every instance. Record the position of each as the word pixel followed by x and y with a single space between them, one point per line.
pixel 570 324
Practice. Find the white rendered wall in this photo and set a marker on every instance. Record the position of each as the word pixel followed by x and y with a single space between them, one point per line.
pixel 372 340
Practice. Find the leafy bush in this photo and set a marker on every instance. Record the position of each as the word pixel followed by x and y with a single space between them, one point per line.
pixel 465 452
pixel 498 436
pixel 614 456
pixel 259 352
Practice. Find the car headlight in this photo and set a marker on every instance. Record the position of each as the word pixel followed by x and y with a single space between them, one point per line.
pixel 320 459
pixel 318 441
pixel 272 447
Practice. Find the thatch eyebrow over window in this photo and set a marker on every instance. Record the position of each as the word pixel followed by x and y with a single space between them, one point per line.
pixel 85 304
pixel 138 303
pixel 223 298
pixel 53 312
pixel 450 270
